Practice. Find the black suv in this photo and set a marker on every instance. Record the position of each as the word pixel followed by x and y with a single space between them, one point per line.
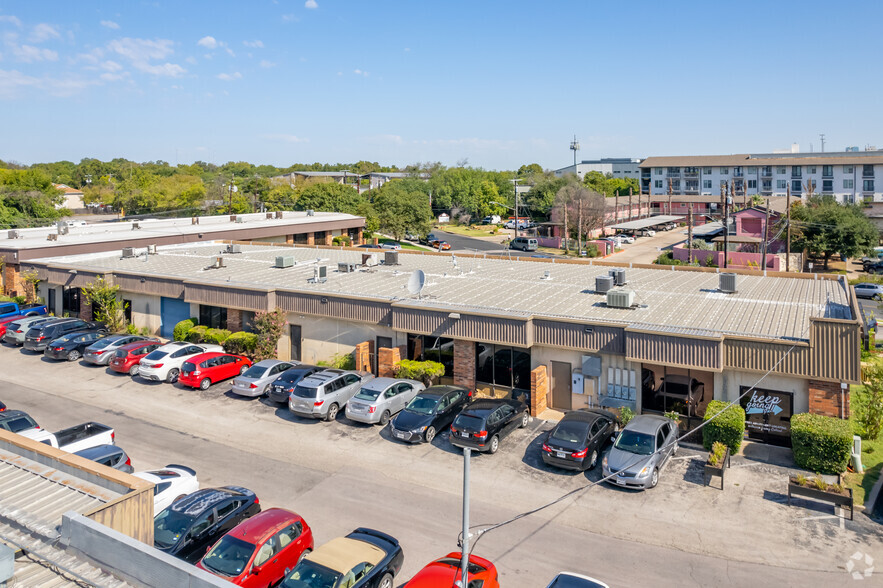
pixel 187 527
pixel 37 338
pixel 483 423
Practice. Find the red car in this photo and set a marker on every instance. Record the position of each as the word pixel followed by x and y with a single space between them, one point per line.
pixel 126 358
pixel 205 369
pixel 445 571
pixel 4 322
pixel 259 551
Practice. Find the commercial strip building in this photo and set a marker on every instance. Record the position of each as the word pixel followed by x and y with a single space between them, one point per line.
pixel 616 167
pixel 504 326
pixel 360 182
pixel 308 228
pixel 849 176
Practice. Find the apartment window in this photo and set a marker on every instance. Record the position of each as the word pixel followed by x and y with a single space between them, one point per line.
pixel 781 171
pixel 827 185
pixel 657 184
pixel 827 171
pixel 767 170
pixel 707 171
pixel 795 186
pixel 848 184
pixel 867 171
pixel 752 169
pixel 429 348
pixel 725 171
pixel 848 169
pixel 811 169
pixel 868 186
pixel 674 171
pixel 781 184
pixel 737 172
pixel 796 171
pixel 752 184
pixel 657 171
pixel 706 184
pixel 767 185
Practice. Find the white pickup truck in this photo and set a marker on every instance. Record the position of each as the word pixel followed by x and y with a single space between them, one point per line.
pixel 74 438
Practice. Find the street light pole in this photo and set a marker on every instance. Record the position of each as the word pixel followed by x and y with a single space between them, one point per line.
pixel 515 181
pixel 464 555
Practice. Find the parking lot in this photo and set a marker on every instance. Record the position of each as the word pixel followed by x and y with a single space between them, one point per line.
pixel 341 475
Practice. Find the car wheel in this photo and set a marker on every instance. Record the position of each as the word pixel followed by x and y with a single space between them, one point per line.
pixel 654 479
pixel 384 418
pixel 266 391
pixel 525 418
pixel 429 435
pixel 243 369
pixel 877 297
pixel 205 384
pixel 385 581
pixel 305 553
pixel 495 444
pixel 593 461
pixel 332 412
pixel 73 355
pixel 172 376
pixel 133 371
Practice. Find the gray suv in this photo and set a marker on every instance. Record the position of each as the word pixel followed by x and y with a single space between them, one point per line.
pixel 323 394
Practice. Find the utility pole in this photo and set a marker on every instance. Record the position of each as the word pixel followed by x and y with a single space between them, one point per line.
pixel 464 554
pixel 579 229
pixel 822 137
pixel 788 228
pixel 230 205
pixel 726 230
pixel 766 231
pixel 630 204
pixel 515 181
pixel 690 235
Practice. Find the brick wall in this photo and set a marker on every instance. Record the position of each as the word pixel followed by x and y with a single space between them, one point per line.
pixel 85 309
pixel 328 238
pixel 387 358
pixel 829 399
pixel 311 239
pixel 358 238
pixel 12 281
pixel 363 354
pixel 289 239
pixel 234 319
pixel 464 364
pixel 539 390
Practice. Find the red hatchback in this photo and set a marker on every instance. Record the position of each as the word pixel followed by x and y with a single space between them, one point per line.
pixel 205 369
pixel 126 358
pixel 4 322
pixel 260 551
pixel 446 570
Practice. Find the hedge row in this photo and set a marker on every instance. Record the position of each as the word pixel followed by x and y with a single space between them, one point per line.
pixel 821 444
pixel 240 343
pixel 728 427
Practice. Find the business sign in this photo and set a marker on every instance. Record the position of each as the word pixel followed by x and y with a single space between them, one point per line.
pixel 768 414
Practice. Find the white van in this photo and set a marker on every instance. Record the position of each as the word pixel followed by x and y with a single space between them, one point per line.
pixel 524 244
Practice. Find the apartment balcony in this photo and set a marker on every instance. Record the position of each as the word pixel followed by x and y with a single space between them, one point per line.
pixel 738 174
pixel 676 175
pixel 767 173
pixel 869 175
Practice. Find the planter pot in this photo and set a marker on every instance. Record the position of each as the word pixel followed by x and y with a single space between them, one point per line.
pixel 843 501
pixel 718 470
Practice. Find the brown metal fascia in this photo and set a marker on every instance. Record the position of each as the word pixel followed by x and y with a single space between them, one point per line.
pixel 674 335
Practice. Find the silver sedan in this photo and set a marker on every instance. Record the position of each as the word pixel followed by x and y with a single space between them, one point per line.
pixel 381 398
pixel 256 381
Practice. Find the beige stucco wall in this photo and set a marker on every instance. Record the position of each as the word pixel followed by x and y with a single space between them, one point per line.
pixel 727 384
pixel 323 338
pixel 145 311
pixel 274 239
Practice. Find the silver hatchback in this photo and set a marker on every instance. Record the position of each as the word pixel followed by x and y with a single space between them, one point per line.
pixel 15 331
pixel 381 398
pixel 323 394
pixel 256 381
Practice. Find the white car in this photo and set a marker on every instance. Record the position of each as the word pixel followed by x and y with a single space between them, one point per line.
pixel 571 580
pixel 170 483
pixel 627 238
pixel 164 363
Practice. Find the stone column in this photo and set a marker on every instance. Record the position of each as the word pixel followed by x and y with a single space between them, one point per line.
pixel 234 319
pixel 464 364
pixel 387 358
pixel 85 309
pixel 328 238
pixel 363 354
pixel 311 239
pixel 829 399
pixel 289 239
pixel 539 390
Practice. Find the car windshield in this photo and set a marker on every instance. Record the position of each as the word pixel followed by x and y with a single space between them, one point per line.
pixel 305 391
pixel 157 354
pixel 635 442
pixel 467 421
pixel 19 424
pixel 310 575
pixel 366 394
pixel 423 404
pixel 229 556
pixel 255 371
pixel 571 432
pixel 101 343
pixel 121 353
pixel 291 376
pixel 169 526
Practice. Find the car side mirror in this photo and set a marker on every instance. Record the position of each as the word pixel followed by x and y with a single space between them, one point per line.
pixel 255 570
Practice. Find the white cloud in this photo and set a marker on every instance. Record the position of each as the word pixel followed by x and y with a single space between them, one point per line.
pixel 208 42
pixel 359 72
pixel 229 77
pixel 29 54
pixel 257 43
pixel 191 60
pixel 114 77
pixel 110 24
pixel 407 49
pixel 44 32
pixel 267 64
pixel 93 56
pixel 13 83
pixel 140 52
pixel 229 52
pixel 10 19
pixel 166 69
pixel 284 138
pixel 311 4
pixel 111 66
pixel 290 18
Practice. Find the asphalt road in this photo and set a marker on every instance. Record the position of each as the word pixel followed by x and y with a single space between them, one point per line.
pixel 342 475
pixel 471 245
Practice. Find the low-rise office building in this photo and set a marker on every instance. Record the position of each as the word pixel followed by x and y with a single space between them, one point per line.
pixel 505 326
pixel 614 167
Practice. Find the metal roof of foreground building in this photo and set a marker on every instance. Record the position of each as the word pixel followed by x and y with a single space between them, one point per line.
pixel 771 307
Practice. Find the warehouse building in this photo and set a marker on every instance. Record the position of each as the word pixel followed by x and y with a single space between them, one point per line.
pixel 566 334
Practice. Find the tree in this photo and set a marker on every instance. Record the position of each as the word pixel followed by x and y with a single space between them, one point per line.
pixel 29 280
pixel 107 306
pixel 268 327
pixel 328 196
pixel 402 206
pixel 824 228
pixel 533 169
pixel 869 403
pixel 610 186
pixel 579 209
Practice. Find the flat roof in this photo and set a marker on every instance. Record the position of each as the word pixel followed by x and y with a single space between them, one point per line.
pixel 738 239
pixel 708 229
pixel 646 222
pixel 669 301
pixel 762 159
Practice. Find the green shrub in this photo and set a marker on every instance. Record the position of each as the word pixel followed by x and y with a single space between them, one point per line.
pixel 131 329
pixel 341 240
pixel 216 336
pixel 821 444
pixel 728 428
pixel 710 261
pixel 181 329
pixel 197 334
pixel 667 259
pixel 716 455
pixel 427 372
pixel 625 415
pixel 241 343
pixel 340 361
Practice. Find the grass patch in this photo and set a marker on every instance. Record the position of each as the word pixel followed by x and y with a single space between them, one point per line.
pixel 478 231
pixel 402 244
pixel 872 457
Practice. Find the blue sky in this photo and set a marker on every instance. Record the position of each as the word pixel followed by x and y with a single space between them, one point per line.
pixel 497 83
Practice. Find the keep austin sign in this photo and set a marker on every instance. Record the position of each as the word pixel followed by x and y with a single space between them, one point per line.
pixel 768 415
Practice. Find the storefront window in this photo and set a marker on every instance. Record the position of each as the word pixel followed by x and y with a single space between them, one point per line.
pixel 429 348
pixel 501 366
pixel 213 317
pixel 666 389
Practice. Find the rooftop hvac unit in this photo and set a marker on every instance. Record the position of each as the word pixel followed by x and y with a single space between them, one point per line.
pixel 620 298
pixel 128 252
pixel 232 218
pixel 603 284
pixel 63 229
pixel 194 220
pixel 345 267
pixel 311 213
pixel 284 261
pixel 320 274
pixel 391 258
pixel 727 283
pixel 370 259
pixel 278 214
pixel 234 248
pixel 151 249
pixel 13 234
pixel 219 262
pixel 269 215
pixel 618 276
pixel 52 237
pixel 135 225
pixel 239 218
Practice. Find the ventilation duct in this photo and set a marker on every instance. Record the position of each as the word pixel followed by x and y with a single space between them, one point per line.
pixel 620 298
pixel 219 262
pixel 727 283
pixel 603 284
pixel 391 258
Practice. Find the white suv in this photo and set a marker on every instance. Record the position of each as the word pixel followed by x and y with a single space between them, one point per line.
pixel 164 363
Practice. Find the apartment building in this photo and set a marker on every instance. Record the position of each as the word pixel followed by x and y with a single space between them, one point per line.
pixel 850 176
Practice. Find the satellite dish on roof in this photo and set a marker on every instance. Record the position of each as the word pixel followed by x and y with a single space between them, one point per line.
pixel 416 282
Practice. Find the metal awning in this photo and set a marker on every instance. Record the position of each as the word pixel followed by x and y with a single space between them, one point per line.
pixel 646 223
pixel 708 229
